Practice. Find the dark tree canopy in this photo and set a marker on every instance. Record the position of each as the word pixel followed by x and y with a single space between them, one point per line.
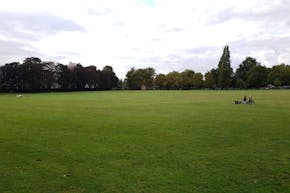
pixel 242 73
pixel 108 78
pixel 140 78
pixel 211 79
pixel 10 76
pixel 244 67
pixel 225 77
pixel 34 75
pixel 257 77
pixel 187 79
pixel 279 75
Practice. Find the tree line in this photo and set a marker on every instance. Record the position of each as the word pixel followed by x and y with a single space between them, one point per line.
pixel 34 75
pixel 249 74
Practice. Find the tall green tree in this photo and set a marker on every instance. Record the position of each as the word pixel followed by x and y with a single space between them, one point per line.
pixel 225 61
pixel 173 80
pixel 211 79
pixel 197 80
pixel 109 80
pixel 148 77
pixel 48 75
pixel 187 79
pixel 225 72
pixel 78 77
pixel 225 77
pixel 242 73
pixel 140 78
pixel 10 79
pixel 244 68
pixel 257 77
pixel 132 80
pixel 31 74
pixel 91 77
pixel 160 81
pixel 64 77
pixel 279 75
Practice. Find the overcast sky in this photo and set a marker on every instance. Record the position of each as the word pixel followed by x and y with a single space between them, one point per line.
pixel 165 34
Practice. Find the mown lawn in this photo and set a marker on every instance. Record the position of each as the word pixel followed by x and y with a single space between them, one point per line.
pixel 146 141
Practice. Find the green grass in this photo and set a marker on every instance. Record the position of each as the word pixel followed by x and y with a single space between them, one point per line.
pixel 146 141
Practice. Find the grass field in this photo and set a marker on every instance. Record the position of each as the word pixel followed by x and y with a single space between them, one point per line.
pixel 146 141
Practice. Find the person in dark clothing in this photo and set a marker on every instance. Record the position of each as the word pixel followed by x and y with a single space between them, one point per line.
pixel 245 99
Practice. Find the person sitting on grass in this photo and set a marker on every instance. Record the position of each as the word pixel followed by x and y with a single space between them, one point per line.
pixel 251 100
pixel 245 100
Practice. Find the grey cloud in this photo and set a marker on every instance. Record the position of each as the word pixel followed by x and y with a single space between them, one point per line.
pixel 62 55
pixel 19 29
pixel 269 44
pixel 222 16
pixel 207 57
pixel 277 13
pixel 202 59
pixel 199 64
pixel 273 48
pixel 175 62
pixel 16 51
pixel 33 26
pixel 269 50
pixel 57 58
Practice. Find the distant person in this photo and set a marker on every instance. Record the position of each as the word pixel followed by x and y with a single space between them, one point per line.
pixel 245 99
pixel 251 100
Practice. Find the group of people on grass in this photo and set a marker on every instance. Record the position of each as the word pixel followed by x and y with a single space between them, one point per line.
pixel 245 101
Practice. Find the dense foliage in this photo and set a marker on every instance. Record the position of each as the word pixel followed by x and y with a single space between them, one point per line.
pixel 250 74
pixel 34 75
